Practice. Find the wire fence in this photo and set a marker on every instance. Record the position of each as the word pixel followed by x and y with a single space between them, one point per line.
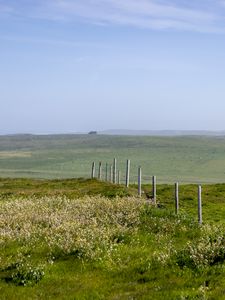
pixel 109 172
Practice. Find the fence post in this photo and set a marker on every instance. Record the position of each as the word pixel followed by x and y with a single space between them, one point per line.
pixel 114 170
pixel 106 172
pixel 139 181
pixel 100 171
pixel 199 204
pixel 93 170
pixel 154 188
pixel 118 177
pixel 128 173
pixel 176 197
pixel 111 174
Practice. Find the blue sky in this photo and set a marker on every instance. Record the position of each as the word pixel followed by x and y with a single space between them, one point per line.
pixel 80 65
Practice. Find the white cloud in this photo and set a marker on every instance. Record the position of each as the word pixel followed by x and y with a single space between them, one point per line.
pixel 203 16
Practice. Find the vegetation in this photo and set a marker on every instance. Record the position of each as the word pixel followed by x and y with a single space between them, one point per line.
pixel 68 240
pixel 183 159
pixel 71 188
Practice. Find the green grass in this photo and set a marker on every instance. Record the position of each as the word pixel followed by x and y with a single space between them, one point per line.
pixel 213 195
pixel 183 159
pixel 71 188
pixel 152 260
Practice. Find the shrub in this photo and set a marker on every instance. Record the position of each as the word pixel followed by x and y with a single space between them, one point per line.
pixel 87 228
pixel 27 274
pixel 208 250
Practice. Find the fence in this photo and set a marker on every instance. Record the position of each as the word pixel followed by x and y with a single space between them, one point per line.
pixel 113 175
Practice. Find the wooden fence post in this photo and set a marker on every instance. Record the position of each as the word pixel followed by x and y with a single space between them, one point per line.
pixel 118 177
pixel 139 181
pixel 176 197
pixel 93 170
pixel 114 170
pixel 199 204
pixel 154 188
pixel 128 173
pixel 111 174
pixel 100 171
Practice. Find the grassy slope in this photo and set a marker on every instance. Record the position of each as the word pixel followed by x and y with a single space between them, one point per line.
pixel 137 274
pixel 213 195
pixel 184 159
pixel 71 188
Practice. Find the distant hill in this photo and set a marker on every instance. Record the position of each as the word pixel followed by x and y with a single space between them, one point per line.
pixel 124 132
pixel 162 132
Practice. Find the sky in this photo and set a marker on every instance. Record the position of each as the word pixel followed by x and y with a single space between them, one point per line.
pixel 71 66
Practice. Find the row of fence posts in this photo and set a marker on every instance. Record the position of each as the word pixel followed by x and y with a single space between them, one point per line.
pixel 114 176
pixel 111 173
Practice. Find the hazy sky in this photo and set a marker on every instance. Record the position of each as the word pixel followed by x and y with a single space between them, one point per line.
pixel 80 65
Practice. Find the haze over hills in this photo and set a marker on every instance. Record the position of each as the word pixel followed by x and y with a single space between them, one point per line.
pixel 162 132
pixel 130 132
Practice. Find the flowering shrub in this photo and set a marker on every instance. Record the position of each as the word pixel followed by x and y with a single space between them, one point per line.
pixel 88 228
pixel 27 274
pixel 208 250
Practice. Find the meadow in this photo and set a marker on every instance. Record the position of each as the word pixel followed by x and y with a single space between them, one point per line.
pixel 184 159
pixel 86 239
pixel 81 238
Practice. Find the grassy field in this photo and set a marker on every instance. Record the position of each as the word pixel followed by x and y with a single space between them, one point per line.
pixel 85 239
pixel 70 238
pixel 183 159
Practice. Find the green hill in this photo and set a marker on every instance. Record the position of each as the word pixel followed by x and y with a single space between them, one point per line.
pixel 184 159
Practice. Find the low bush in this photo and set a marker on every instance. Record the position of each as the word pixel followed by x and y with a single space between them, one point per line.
pixel 208 250
pixel 88 228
